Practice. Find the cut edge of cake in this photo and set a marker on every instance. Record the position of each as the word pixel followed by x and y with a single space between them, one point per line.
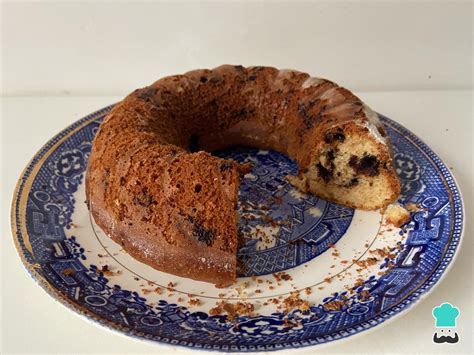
pixel 352 166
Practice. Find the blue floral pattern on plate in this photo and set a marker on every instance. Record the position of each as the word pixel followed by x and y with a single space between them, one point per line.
pixel 305 226
pixel 44 203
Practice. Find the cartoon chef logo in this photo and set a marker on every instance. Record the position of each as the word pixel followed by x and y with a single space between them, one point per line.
pixel 445 316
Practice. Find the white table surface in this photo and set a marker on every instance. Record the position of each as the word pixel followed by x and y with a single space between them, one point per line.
pixel 32 322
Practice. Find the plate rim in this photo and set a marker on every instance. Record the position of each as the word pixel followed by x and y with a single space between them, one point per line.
pixel 376 322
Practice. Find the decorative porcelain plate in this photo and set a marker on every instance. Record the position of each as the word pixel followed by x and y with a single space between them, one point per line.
pixel 313 271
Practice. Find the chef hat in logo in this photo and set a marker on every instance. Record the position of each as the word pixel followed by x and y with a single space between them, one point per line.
pixel 445 315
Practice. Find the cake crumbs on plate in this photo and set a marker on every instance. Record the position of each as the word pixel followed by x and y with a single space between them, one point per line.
pixel 288 323
pixel 396 215
pixel 105 269
pixel 214 311
pixel 335 305
pixel 383 252
pixel 242 293
pixel 294 301
pixel 413 207
pixel 274 300
pixel 364 263
pixel 244 308
pixel 233 310
pixel 68 272
pixel 282 276
pixel 194 302
pixel 171 286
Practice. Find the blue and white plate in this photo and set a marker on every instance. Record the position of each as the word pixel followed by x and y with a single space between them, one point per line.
pixel 355 271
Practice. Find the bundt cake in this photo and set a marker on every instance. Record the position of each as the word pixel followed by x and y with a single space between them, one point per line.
pixel 153 186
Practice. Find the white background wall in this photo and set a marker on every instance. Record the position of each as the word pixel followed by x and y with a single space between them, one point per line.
pixel 113 47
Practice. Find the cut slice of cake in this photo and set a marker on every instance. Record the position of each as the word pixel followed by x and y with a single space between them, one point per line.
pixel 352 165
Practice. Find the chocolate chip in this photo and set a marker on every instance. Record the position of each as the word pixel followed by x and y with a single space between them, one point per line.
pixel 147 94
pixel 353 182
pixel 330 155
pixel 227 165
pixel 251 77
pixel 367 165
pixel 303 111
pixel 381 131
pixel 324 173
pixel 203 79
pixel 338 135
pixel 202 234
pixel 353 162
pixel 309 119
pixel 144 198
pixel 197 188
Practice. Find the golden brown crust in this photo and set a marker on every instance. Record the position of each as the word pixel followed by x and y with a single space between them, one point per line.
pixel 151 185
